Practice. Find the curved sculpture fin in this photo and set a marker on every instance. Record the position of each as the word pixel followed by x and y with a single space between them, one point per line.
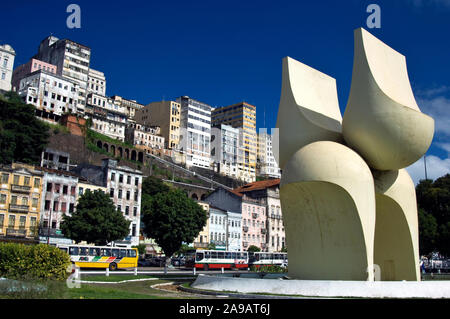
pixel 382 121
pixel 396 246
pixel 308 111
pixel 328 203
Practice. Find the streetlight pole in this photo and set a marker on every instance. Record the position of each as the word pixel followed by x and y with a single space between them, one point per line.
pixel 48 226
pixel 425 164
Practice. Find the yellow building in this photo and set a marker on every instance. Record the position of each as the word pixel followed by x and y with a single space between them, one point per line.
pixel 20 202
pixel 166 115
pixel 243 116
pixel 202 240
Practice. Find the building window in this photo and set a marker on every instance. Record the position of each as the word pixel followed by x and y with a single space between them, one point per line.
pixel 37 182
pixel 12 221
pixel 127 210
pixel 16 180
pixel 34 202
pixel 111 192
pixel 120 193
pixel 135 211
pixel 5 178
pixel 120 178
pixel 22 221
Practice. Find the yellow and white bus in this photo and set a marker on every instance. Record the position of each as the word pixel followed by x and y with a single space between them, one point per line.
pixel 101 256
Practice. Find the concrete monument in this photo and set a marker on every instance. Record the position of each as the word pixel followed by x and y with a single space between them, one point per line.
pixel 349 207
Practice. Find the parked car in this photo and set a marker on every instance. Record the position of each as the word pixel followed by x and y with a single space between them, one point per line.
pixel 144 263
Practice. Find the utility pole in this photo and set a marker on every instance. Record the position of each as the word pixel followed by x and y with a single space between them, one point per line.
pixel 425 164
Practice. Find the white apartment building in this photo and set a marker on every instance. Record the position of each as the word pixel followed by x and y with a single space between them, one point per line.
pixel 195 135
pixel 124 185
pixel 7 55
pixel 72 60
pixel 53 95
pixel 218 227
pixel 108 118
pixel 266 164
pixel 144 137
pixel 234 231
pixel 224 149
pixel 96 82
pixel 130 106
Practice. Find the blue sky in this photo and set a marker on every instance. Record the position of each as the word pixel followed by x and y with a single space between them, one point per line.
pixel 223 52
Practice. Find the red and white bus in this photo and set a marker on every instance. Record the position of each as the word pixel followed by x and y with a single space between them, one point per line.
pixel 217 259
pixel 259 259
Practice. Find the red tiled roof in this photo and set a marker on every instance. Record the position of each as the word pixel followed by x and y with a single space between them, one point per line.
pixel 257 186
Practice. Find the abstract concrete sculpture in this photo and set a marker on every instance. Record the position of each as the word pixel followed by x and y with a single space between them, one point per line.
pixel 348 205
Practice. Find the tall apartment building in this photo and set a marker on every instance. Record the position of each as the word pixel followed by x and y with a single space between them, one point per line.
pixel 243 116
pixel 52 94
pixel 224 149
pixel 124 186
pixel 72 60
pixel 96 82
pixel 20 202
pixel 130 106
pixel 266 164
pixel 166 115
pixel 195 137
pixel 31 66
pixel 7 55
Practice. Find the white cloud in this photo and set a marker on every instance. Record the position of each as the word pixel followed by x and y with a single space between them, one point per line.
pixel 439 109
pixel 436 167
pixel 444 146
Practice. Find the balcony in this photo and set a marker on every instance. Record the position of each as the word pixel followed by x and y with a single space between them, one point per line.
pixel 20 188
pixel 245 228
pixel 16 232
pixel 18 208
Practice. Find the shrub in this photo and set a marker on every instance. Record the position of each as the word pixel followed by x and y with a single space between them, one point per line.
pixel 269 269
pixel 18 261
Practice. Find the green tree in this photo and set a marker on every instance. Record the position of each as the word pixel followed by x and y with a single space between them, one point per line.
pixel 96 220
pixel 23 136
pixel 428 232
pixel 152 186
pixel 253 249
pixel 433 198
pixel 171 218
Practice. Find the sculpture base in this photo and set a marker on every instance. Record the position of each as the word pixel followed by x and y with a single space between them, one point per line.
pixel 328 289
